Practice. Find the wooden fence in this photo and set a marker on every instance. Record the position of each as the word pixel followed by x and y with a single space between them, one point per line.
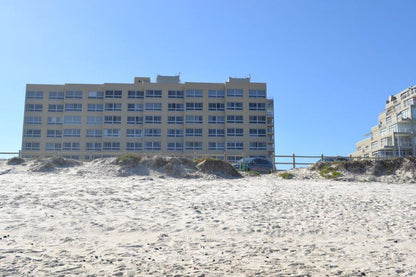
pixel 11 153
pixel 293 159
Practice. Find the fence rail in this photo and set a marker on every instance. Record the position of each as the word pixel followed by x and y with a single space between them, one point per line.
pixel 293 159
pixel 10 153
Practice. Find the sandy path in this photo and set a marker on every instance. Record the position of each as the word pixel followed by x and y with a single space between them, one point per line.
pixel 61 224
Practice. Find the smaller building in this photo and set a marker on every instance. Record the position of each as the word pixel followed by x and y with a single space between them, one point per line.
pixel 394 136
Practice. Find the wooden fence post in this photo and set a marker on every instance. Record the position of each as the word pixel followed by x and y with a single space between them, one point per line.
pixel 294 161
pixel 322 157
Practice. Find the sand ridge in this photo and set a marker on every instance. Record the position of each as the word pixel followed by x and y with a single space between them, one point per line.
pixel 72 222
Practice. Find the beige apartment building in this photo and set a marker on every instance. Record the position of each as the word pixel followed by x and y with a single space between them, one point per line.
pixel 394 135
pixel 227 120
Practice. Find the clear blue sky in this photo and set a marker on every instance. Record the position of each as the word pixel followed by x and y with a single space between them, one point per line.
pixel 329 65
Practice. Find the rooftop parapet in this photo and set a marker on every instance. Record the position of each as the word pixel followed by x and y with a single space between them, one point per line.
pixel 139 80
pixel 167 79
pixel 239 80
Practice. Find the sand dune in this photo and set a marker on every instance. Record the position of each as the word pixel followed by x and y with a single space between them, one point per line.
pixel 76 221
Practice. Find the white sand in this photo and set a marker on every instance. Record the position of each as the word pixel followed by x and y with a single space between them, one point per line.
pixel 71 223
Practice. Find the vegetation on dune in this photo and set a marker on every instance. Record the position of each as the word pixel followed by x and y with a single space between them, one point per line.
pixel 330 172
pixel 286 175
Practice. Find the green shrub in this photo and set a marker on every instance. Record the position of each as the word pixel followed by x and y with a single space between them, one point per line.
pixel 128 159
pixel 329 172
pixel 286 175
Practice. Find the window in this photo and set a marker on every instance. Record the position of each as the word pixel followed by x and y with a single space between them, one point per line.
pixel 383 132
pixel 113 94
pixel 72 120
pixel 235 132
pixel 94 120
pixel 257 145
pixel 374 145
pixel 261 119
pixel 52 108
pixel 152 145
pixel 134 133
pixel 216 132
pixel 34 95
pixel 257 132
pixel 95 107
pixel 30 133
pixel 134 146
pixel 216 146
pixel 393 128
pixel 175 146
pixel 194 119
pixel 153 106
pixel 388 120
pixel 56 95
pixel 33 107
pixel 234 119
pixel 215 106
pixel 54 120
pixel 152 132
pixel 257 106
pixel 193 145
pixel 31 146
pixel 194 106
pixel 235 106
pixel 175 107
pixel 213 119
pixel 409 102
pixel 112 119
pixel 175 94
pixel 405 114
pixel 178 133
pixel 135 120
pixel 234 92
pixel 70 146
pixel 215 93
pixel 93 146
pixel 112 133
pixel 96 94
pixel 234 158
pixel 153 119
pixel 73 107
pixel 54 133
pixel 135 94
pixel 73 94
pixel 134 107
pixel 175 119
pixel 194 132
pixel 196 93
pixel 253 93
pixel 111 146
pixel 405 128
pixel 235 145
pixel 154 93
pixel 72 132
pixel 113 107
pixel 53 146
pixel 385 142
pixel 94 133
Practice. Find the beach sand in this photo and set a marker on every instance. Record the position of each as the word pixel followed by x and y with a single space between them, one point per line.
pixel 73 223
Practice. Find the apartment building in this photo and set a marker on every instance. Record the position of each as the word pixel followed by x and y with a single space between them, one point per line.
pixel 394 135
pixel 85 121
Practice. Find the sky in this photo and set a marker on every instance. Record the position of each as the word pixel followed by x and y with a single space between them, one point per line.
pixel 329 65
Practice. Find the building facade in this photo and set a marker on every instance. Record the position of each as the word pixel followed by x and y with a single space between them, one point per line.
pixel 227 120
pixel 394 135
